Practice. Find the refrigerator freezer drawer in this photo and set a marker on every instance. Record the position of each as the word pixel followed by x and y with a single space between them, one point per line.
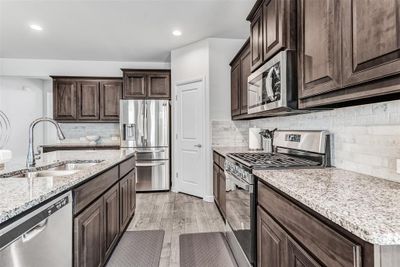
pixel 152 175
pixel 152 153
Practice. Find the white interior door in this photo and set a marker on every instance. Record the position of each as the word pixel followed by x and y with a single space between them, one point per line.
pixel 191 169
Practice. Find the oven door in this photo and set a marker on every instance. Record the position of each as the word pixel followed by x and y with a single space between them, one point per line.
pixel 240 217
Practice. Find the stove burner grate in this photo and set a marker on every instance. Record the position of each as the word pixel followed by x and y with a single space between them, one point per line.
pixel 273 160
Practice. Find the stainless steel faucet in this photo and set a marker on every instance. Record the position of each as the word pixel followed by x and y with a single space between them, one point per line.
pixel 30 159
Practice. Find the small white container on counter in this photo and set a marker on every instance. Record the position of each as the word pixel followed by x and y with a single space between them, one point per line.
pixel 255 139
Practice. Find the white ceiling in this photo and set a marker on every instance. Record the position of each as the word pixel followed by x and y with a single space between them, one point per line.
pixel 112 30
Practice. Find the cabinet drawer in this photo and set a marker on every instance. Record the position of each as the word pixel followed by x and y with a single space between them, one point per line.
pixel 89 191
pixel 330 247
pixel 126 166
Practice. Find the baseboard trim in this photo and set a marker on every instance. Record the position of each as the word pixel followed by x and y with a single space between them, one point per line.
pixel 208 198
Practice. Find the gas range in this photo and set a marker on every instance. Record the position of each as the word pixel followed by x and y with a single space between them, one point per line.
pixel 292 149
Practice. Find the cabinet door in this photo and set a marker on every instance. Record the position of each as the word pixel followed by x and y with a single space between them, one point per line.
pixel 273 38
pixel 215 182
pixel 111 215
pixel 298 257
pixel 319 46
pixel 271 242
pixel 371 34
pixel 158 85
pixel 124 202
pixel 134 85
pixel 110 95
pixel 89 236
pixel 132 192
pixel 64 99
pixel 88 100
pixel 235 89
pixel 256 39
pixel 245 71
pixel 222 191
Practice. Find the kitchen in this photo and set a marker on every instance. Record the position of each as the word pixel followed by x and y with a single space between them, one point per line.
pixel 264 137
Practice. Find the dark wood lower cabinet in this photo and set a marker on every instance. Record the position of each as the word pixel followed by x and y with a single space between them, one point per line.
pixel 111 215
pixel 298 257
pixel 215 181
pixel 98 225
pixel 89 236
pixel 219 182
pixel 127 198
pixel 271 242
pixel 288 234
pixel 222 191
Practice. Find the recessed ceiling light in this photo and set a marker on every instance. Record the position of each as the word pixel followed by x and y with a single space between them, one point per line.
pixel 177 33
pixel 36 27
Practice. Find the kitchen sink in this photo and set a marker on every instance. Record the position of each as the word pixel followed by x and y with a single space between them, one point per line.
pixel 63 169
pixel 46 173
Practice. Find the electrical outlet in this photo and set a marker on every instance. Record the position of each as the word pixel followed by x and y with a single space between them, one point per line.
pixel 398 166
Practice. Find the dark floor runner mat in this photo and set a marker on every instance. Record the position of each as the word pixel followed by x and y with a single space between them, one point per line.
pixel 138 249
pixel 205 249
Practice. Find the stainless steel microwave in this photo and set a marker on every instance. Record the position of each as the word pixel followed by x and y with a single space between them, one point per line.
pixel 272 89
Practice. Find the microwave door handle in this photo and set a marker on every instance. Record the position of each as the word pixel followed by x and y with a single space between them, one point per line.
pixel 268 85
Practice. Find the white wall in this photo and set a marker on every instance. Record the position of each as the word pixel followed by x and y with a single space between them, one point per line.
pixel 222 51
pixel 207 59
pixel 22 101
pixel 39 68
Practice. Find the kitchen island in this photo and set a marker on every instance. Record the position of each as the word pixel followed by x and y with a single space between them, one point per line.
pixel 102 185
pixel 21 194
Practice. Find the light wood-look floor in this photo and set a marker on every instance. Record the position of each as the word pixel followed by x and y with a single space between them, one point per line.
pixel 176 214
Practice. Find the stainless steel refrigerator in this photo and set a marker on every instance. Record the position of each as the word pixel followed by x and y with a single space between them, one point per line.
pixel 144 126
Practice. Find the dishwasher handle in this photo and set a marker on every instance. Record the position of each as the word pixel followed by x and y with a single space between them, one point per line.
pixel 36 230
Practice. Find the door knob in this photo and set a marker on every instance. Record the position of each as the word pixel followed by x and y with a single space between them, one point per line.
pixel 198 145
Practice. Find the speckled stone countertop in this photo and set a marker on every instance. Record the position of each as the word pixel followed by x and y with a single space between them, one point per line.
pixel 21 194
pixel 234 149
pixel 366 206
pixel 83 144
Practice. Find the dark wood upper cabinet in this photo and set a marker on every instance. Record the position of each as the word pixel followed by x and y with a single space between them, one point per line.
pixel 272 28
pixel 111 215
pixel 319 47
pixel 64 100
pixel 240 71
pixel 146 84
pixel 256 39
pixel 110 95
pixel 245 71
pixel 88 100
pixel 159 85
pixel 134 85
pixel 271 242
pixel 348 52
pixel 235 89
pixel 371 40
pixel 89 236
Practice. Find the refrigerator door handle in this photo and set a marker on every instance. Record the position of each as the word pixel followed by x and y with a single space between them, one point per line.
pixel 145 123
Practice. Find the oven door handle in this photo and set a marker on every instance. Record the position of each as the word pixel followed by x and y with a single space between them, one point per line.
pixel 238 182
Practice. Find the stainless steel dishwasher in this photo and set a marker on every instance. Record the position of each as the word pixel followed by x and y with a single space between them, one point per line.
pixel 41 238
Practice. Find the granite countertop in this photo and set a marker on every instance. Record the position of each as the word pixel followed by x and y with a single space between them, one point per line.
pixel 20 194
pixel 366 206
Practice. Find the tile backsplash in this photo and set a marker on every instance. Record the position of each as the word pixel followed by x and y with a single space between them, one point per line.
pixel 366 139
pixel 230 133
pixel 77 131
